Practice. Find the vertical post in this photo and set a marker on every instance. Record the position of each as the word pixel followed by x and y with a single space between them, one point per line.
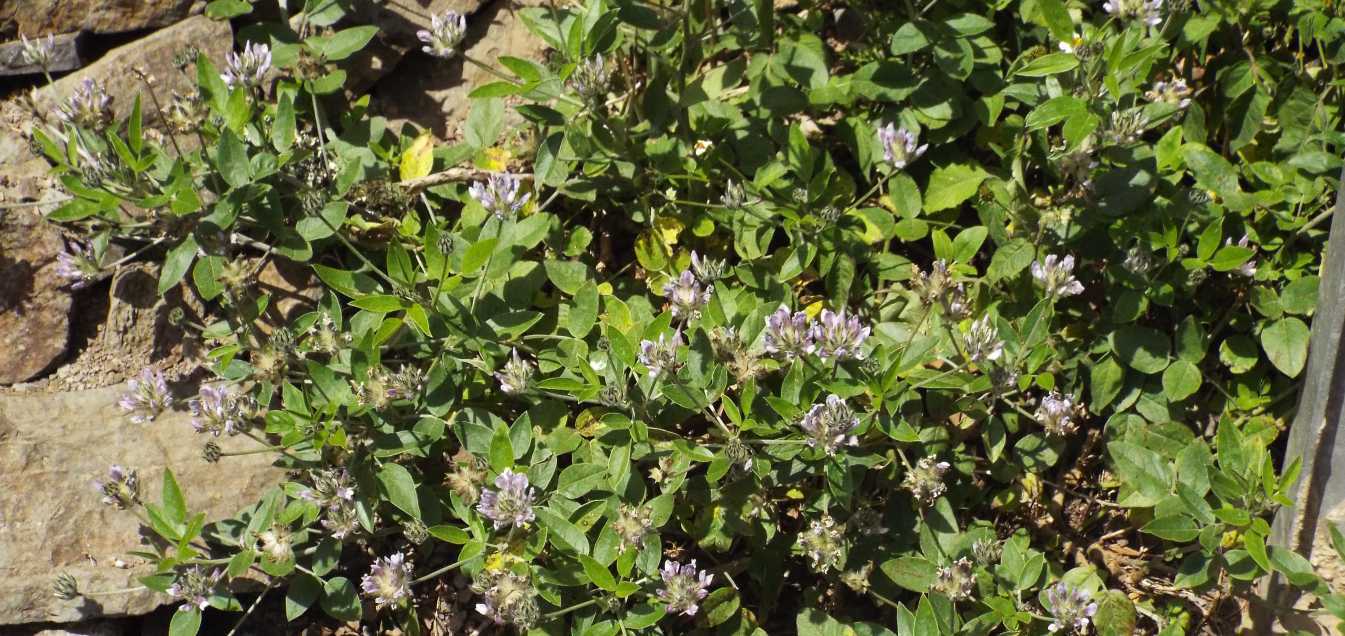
pixel 1315 436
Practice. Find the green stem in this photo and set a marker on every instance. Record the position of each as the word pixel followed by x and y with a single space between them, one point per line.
pixel 572 608
pixel 447 568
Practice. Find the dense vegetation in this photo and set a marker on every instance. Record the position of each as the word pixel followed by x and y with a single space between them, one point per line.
pixel 950 317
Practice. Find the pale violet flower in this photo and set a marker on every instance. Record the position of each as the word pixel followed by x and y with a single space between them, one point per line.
pixel 388 580
pixel 830 425
pixel 499 194
pixel 77 263
pixel 901 147
pixel 89 106
pixel 146 396
pixel 1071 608
pixel 216 410
pixel 38 52
pixel 1056 276
pixel 660 355
pixel 1175 92
pixel 510 502
pixel 121 489
pixel 1056 414
pixel 686 296
pixel 1247 269
pixel 248 68
pixel 194 588
pixel 789 334
pixel 836 336
pixel 516 376
pixel 589 78
pixel 925 480
pixel 1149 12
pixel 684 587
pixel 982 341
pixel 707 269
pixel 444 35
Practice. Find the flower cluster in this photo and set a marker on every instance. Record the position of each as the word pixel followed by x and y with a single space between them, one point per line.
pixel 982 341
pixel 77 263
pixel 510 503
pixel 830 425
pixel 925 480
pixel 1056 276
pixel 507 598
pixel 194 588
pixel 707 269
pixel 121 488
pixel 1071 608
pixel 957 581
pixel 388 580
pixel 516 375
pixel 465 477
pixel 1175 92
pixel 499 194
pixel 217 410
pixel 631 525
pixel 660 355
pixel 1056 414
pixel 589 78
pixel 381 388
pixel 247 70
pixel 683 587
pixel 146 396
pixel 276 544
pixel 686 296
pixel 333 492
pixel 900 146
pixel 788 334
pixel 89 106
pixel 444 35
pixel 824 544
pixel 834 336
pixel 37 52
pixel 1149 12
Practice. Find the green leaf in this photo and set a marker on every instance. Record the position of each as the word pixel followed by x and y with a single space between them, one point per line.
pixel 1058 20
pixel 501 450
pixel 380 303
pixel 484 123
pixel 1300 296
pixel 1293 566
pixel 344 43
pixel 1181 380
pixel 282 129
pixel 720 606
pixel 584 312
pixel 176 264
pixel 599 574
pixel 1105 379
pixel 916 574
pixel 950 185
pixel 1144 470
pixel 340 600
pixel 1054 111
pixel 303 591
pixel 567 276
pixel 1142 349
pixel 1177 527
pixel 231 158
pixel 1217 174
pixel 563 534
pixel 171 498
pixel 1230 257
pixel 1286 344
pixel 1115 614
pixel 185 623
pixel 400 488
pixel 1049 64
pixel 1010 259
pixel 227 9
pixel 206 274
pixel 478 254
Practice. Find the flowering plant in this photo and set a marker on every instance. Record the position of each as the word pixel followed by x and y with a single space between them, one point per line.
pixel 712 322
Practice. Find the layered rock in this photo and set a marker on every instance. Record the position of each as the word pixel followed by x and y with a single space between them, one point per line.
pixel 40 17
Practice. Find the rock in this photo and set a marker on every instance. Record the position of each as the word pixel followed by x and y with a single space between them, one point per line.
pixel 294 290
pixel 432 93
pixel 401 20
pixel 34 304
pixel 40 17
pixel 51 521
pixel 98 628
pixel 64 56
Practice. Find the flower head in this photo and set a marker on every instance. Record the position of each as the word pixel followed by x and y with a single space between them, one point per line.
pixel 276 544
pixel 388 580
pixel 660 355
pixel 331 487
pixel 1056 414
pixel 830 425
pixel 683 587
pixel 499 194
pixel 631 525
pixel 686 296
pixel 194 588
pixel 89 106
pixel 38 52
pixel 121 488
pixel 707 269
pixel 900 146
pixel 217 410
pixel 510 502
pixel 956 581
pixel 734 196
pixel 1056 276
pixel 824 544
pixel 1149 12
pixel 516 375
pixel 789 334
pixel 507 598
pixel 925 480
pixel 1247 269
pixel 77 263
pixel 1071 608
pixel 1175 92
pixel 444 35
pixel 146 396
pixel 590 78
pixel 248 68
pixel 839 337
pixel 982 341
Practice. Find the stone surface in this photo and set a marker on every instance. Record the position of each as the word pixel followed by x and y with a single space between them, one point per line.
pixel 99 628
pixel 432 93
pixel 40 17
pixel 64 56
pixel 51 520
pixel 401 20
pixel 34 304
pixel 294 290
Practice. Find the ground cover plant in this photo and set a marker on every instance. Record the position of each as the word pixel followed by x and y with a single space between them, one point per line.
pixel 950 317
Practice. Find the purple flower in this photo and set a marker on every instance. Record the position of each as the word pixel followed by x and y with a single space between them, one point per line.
pixel 499 194
pixel 1150 12
pixel 121 489
pixel 444 35
pixel 830 425
pixel 146 396
pixel 89 106
pixel 925 480
pixel 789 334
pixel 1056 414
pixel 215 411
pixel 589 78
pixel 76 263
pixel 1056 276
pixel 516 375
pixel 510 503
pixel 38 52
pixel 838 337
pixel 1175 92
pixel 686 296
pixel 194 588
pixel 661 355
pixel 982 341
pixel 900 146
pixel 388 580
pixel 1071 607
pixel 507 598
pixel 683 587
pixel 247 69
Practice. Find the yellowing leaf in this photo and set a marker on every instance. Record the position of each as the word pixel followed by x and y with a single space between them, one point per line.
pixel 813 310
pixel 668 230
pixel 418 160
pixel 494 159
pixel 605 289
